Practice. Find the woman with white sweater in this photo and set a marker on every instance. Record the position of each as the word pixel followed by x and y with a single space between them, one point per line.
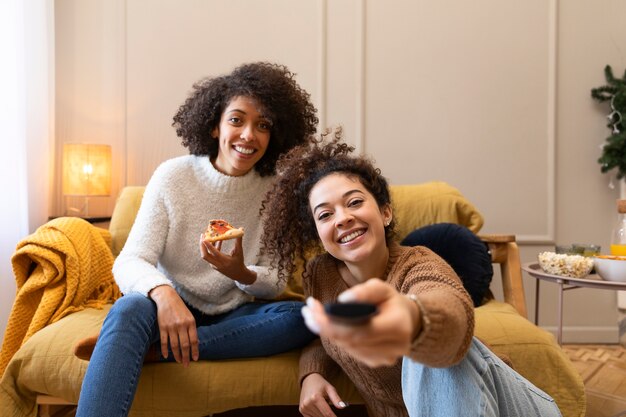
pixel 186 299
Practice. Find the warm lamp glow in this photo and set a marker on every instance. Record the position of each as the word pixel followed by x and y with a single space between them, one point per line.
pixel 86 169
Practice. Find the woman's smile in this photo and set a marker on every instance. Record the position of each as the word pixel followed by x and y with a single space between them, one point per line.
pixel 350 237
pixel 244 150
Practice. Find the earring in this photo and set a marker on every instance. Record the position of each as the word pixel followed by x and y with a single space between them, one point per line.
pixel 387 222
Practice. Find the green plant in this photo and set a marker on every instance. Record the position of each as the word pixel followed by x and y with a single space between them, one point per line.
pixel 614 150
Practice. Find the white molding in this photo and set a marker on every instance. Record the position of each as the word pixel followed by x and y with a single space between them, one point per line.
pixel 587 334
pixel 550 236
pixel 360 77
pixel 322 63
pixel 124 181
pixel 621 300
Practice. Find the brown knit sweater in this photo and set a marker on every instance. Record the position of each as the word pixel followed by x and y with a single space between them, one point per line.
pixel 443 342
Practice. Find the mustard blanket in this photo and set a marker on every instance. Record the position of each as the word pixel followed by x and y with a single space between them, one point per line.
pixel 65 266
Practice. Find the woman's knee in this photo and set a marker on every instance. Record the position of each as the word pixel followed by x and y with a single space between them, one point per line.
pixel 131 307
pixel 282 307
pixel 289 323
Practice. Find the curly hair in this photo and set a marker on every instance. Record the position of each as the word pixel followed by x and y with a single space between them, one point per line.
pixel 283 102
pixel 289 227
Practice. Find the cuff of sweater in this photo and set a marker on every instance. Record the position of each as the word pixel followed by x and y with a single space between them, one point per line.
pixel 149 283
pixel 425 322
pixel 440 342
pixel 326 373
pixel 262 287
pixel 315 360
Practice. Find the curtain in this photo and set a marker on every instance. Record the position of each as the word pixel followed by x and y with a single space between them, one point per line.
pixel 26 128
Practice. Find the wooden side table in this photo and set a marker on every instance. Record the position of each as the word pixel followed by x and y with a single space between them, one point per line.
pixel 566 283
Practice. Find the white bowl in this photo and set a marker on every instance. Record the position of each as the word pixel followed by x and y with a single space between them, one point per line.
pixel 611 268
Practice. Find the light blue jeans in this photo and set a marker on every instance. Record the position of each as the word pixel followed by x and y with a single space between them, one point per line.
pixel 131 328
pixel 481 385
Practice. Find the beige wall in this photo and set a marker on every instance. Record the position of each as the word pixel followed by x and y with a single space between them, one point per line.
pixel 490 96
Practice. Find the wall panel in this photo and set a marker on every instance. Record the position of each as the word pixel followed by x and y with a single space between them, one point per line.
pixel 461 92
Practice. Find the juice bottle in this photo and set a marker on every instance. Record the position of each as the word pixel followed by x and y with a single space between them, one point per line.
pixel 618 240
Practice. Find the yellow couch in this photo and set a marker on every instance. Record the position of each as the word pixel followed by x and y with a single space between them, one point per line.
pixel 44 372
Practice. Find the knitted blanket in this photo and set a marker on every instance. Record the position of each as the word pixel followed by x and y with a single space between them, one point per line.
pixel 64 267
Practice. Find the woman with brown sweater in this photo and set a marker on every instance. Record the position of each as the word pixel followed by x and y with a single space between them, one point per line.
pixel 417 355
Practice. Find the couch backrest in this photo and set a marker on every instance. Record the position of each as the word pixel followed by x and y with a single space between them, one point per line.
pixel 414 206
pixel 123 216
pixel 419 205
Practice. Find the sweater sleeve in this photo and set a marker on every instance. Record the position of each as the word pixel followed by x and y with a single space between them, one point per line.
pixel 267 284
pixel 446 310
pixel 314 358
pixel 135 268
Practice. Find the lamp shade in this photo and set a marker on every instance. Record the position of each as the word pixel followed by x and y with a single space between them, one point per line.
pixel 86 169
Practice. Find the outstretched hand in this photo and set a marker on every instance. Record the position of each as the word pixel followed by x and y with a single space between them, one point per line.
pixel 381 341
pixel 232 265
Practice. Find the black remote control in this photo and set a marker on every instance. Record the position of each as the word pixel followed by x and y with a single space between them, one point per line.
pixel 350 313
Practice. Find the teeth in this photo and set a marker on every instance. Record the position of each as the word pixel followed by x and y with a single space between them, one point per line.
pixel 351 236
pixel 246 151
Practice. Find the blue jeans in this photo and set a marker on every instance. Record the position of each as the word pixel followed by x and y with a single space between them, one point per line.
pixel 481 385
pixel 131 328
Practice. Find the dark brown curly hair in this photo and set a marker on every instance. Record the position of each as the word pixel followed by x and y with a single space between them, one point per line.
pixel 284 103
pixel 289 231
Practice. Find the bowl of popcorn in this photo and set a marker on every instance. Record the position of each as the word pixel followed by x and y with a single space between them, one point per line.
pixel 573 266
pixel 610 267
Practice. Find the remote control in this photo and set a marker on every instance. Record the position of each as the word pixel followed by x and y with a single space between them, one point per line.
pixel 350 313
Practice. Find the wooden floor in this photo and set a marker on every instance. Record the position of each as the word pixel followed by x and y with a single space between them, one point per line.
pixel 603 368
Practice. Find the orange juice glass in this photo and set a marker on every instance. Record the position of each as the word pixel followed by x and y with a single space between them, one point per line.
pixel 618 250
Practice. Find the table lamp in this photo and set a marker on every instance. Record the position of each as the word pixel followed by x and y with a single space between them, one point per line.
pixel 86 173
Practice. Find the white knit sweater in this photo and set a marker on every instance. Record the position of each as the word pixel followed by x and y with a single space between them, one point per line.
pixel 183 194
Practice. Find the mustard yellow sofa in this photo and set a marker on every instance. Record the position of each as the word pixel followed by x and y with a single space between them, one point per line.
pixel 44 374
